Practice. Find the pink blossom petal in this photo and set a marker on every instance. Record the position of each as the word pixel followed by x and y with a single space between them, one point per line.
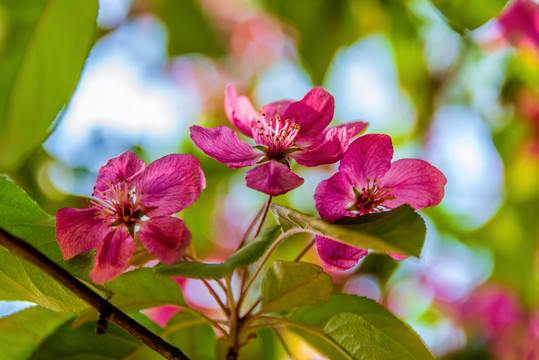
pixel 78 231
pixel 170 184
pixel 354 128
pixel 336 255
pixel 414 182
pixel 272 178
pixel 313 113
pixel 328 148
pixel 224 145
pixel 239 110
pixel 333 197
pixel 126 166
pixel 165 237
pixel 112 255
pixel 398 256
pixel 275 108
pixel 368 157
pixel 161 314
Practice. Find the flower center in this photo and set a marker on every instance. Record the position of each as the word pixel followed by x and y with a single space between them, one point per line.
pixel 371 198
pixel 120 204
pixel 276 136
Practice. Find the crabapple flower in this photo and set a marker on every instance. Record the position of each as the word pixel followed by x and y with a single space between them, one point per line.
pixel 368 182
pixel 129 197
pixel 283 131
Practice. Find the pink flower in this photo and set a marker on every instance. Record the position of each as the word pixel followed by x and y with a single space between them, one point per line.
pixel 128 196
pixel 284 131
pixel 520 23
pixel 368 182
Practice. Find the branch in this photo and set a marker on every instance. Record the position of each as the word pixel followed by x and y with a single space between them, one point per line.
pixel 26 251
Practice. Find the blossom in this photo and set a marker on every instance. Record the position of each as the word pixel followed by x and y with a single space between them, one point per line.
pixel 520 23
pixel 129 197
pixel 283 131
pixel 368 182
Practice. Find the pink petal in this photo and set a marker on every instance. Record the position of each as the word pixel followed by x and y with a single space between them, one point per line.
pixel 239 110
pixel 414 182
pixel 112 255
pixel 123 167
pixel 313 113
pixel 161 314
pixel 328 148
pixel 336 255
pixel 170 184
pixel 224 145
pixel 398 256
pixel 275 108
pixel 78 231
pixel 368 157
pixel 272 178
pixel 165 237
pixel 354 128
pixel 333 197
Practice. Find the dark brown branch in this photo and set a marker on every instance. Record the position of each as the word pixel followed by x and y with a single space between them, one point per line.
pixel 26 251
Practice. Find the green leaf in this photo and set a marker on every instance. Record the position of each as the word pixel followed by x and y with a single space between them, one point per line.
pixel 353 327
pixel 83 343
pixel 19 335
pixel 469 14
pixel 288 285
pixel 22 217
pixel 43 52
pixel 245 256
pixel 323 26
pixel 189 30
pixel 189 333
pixel 139 289
pixel 399 231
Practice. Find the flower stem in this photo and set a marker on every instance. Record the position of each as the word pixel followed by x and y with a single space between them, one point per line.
pixel 216 297
pixel 304 251
pixel 275 244
pixel 234 348
pixel 24 250
pixel 262 212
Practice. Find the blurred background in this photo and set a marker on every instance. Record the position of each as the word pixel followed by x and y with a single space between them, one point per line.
pixel 458 87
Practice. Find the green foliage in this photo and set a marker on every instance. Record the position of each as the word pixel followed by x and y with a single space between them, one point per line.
pixel 43 53
pixel 469 14
pixel 400 231
pixel 189 30
pixel 352 327
pixel 193 336
pixel 323 27
pixel 22 217
pixel 187 332
pixel 288 285
pixel 22 332
pixel 83 343
pixel 245 256
pixel 139 289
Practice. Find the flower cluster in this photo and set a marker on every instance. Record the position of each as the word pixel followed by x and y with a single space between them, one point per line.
pixel 132 203
pixel 131 207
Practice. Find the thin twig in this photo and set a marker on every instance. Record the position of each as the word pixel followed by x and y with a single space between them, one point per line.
pixel 215 296
pixel 264 214
pixel 212 322
pixel 27 252
pixel 309 245
pixel 275 244
pixel 263 210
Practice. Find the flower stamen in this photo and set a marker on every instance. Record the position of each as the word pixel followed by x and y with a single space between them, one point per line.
pixel 370 199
